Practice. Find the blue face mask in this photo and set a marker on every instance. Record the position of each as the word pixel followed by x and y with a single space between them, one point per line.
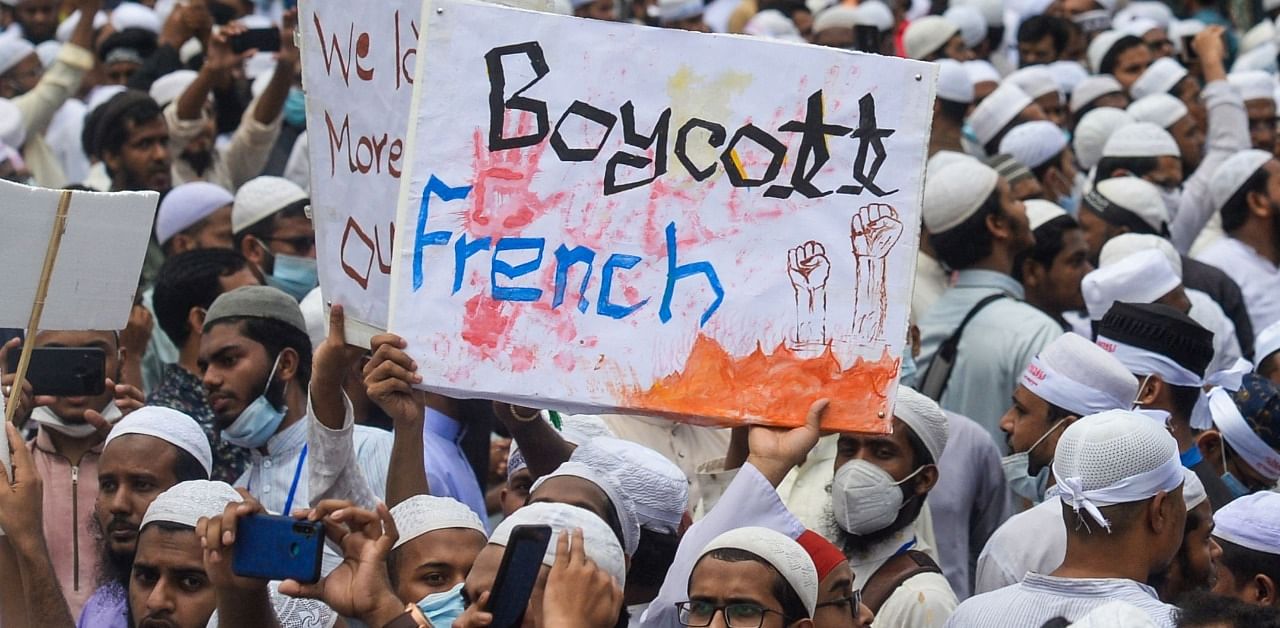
pixel 444 608
pixel 907 369
pixel 258 422
pixel 296 276
pixel 295 107
pixel 1237 488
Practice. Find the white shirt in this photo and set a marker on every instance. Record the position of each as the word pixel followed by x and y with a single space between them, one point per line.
pixel 1207 312
pixel 1034 541
pixel 1259 279
pixel 921 601
pixel 1038 598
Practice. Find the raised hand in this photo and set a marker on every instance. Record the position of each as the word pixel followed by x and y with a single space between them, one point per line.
pixel 875 229
pixel 218 538
pixel 389 378
pixel 774 451
pixel 21 503
pixel 579 594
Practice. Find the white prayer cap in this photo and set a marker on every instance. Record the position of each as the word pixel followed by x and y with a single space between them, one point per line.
pixel 1162 110
pixel 838 16
pixel 997 110
pixel 134 15
pixel 48 51
pixel 954 83
pixel 657 489
pixel 1233 173
pixel 874 13
pixel 1127 244
pixel 1254 84
pixel 1193 489
pixel 1068 74
pixel 1159 78
pixel 1077 375
pixel 1181 29
pixel 189 50
pixel 623 508
pixel 973 27
pixel 597 539
pixel 578 429
pixel 187 205
pixel 779 550
pixel 1035 80
pixel 1262 32
pixel 1100 46
pixel 1141 139
pixel 67 26
pixel 955 192
pixel 1158 12
pixel 169 425
pixel 1091 89
pixel 1251 521
pixel 924 417
pixel 1115 614
pixel 992 10
pixel 13 130
pixel 927 35
pixel 1139 278
pixel 981 71
pixel 1034 143
pixel 1270 5
pixel 1261 58
pixel 1137 26
pixel 771 24
pixel 314 314
pixel 12 51
pixel 421 514
pixel 1114 457
pixel 261 197
pixel 169 87
pixel 677 10
pixel 1129 194
pixel 1040 211
pixel 1267 343
pixel 185 503
pixel 99 96
pixel 942 159
pixel 1093 131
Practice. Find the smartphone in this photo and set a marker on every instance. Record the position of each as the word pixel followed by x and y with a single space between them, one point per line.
pixel 517 574
pixel 63 371
pixel 866 38
pixel 264 39
pixel 273 547
pixel 1188 50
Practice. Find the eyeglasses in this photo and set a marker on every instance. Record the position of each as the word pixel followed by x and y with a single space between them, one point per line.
pixel 853 601
pixel 301 244
pixel 743 615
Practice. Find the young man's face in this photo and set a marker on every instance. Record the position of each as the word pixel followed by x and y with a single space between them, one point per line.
pixel 143 161
pixel 169 587
pixel 516 493
pixel 119 72
pixel 747 583
pixel 435 562
pixel 71 409
pixel 1158 42
pixel 1130 64
pixel 835 601
pixel 1037 52
pixel 1026 422
pixel 1054 109
pixel 1096 231
pixel 1262 123
pixel 235 371
pixel 955 49
pixel 39 19
pixel 1061 290
pixel 1197 564
pixel 132 471
pixel 1190 139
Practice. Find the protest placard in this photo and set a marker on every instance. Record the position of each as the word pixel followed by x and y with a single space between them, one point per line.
pixel 604 217
pixel 95 277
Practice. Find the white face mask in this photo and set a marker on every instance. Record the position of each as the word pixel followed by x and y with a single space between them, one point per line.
pixel 865 498
pixel 1172 197
pixel 44 416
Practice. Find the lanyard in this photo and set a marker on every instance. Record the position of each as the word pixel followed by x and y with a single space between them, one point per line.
pixel 293 486
pixel 905 546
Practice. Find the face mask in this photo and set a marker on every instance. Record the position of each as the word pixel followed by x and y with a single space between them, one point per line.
pixel 1017 471
pixel 1237 488
pixel 907 369
pixel 444 608
pixel 1172 197
pixel 296 276
pixel 295 107
pixel 258 422
pixel 44 416
pixel 864 497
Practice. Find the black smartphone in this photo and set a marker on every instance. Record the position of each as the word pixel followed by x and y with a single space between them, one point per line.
pixel 1188 50
pixel 273 547
pixel 63 371
pixel 517 574
pixel 264 39
pixel 866 38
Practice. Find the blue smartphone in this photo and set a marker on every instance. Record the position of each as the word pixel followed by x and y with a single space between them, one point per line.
pixel 517 574
pixel 273 547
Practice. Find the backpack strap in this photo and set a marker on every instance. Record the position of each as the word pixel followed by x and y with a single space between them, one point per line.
pixel 892 574
pixel 938 374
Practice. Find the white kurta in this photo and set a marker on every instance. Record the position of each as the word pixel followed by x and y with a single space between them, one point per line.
pixel 1258 277
pixel 1032 541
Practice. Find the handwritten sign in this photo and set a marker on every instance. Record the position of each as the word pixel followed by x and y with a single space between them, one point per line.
pixel 95 276
pixel 717 229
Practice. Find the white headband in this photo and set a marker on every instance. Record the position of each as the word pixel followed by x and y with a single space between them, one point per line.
pixel 1165 477
pixel 1064 392
pixel 1229 378
pixel 1255 452
pixel 1144 362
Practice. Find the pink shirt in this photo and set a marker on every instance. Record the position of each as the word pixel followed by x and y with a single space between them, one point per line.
pixel 69 495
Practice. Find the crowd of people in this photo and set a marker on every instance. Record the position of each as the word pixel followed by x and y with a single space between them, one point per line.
pixel 1086 432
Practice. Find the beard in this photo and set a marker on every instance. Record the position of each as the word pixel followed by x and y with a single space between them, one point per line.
pixel 199 161
pixel 113 567
pixel 853 544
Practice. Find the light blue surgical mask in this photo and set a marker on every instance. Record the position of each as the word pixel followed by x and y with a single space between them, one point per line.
pixel 907 369
pixel 443 608
pixel 295 107
pixel 1237 488
pixel 258 422
pixel 296 276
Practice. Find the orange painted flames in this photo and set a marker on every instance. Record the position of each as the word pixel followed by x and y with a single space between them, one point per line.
pixel 770 389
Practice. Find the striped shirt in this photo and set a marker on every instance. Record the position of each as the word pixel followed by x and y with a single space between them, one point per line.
pixel 1039 598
